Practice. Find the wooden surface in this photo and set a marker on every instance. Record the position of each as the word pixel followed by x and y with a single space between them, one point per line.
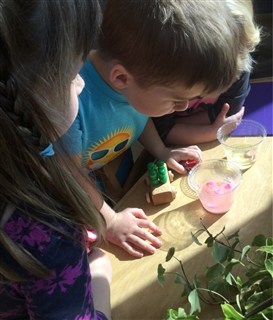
pixel 135 292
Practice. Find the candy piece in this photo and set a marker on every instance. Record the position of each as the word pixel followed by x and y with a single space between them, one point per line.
pixel 188 164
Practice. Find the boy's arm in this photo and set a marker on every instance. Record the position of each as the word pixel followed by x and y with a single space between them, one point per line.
pixel 130 229
pixel 152 142
pixel 197 127
pixel 189 130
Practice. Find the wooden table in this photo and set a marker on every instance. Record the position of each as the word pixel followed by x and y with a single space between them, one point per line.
pixel 135 292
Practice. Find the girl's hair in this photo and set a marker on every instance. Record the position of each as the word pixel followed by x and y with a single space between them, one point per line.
pixel 167 41
pixel 41 46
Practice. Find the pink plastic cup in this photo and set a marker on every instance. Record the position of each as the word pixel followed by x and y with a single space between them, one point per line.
pixel 215 182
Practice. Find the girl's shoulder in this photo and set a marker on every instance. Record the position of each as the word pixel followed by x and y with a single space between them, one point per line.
pixel 28 226
pixel 41 237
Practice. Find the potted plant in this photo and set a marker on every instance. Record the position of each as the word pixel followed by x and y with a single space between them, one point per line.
pixel 239 282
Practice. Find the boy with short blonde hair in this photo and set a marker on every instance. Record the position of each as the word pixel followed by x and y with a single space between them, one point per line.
pixel 153 58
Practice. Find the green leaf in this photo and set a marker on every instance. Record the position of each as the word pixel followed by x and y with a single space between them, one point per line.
pixel 245 251
pixel 266 283
pixel 252 291
pixel 231 250
pixel 229 278
pixel 209 241
pixel 160 274
pixel 239 281
pixel 214 271
pixel 238 302
pixel 235 243
pixel 258 301
pixel 231 313
pixel 267 249
pixel 266 314
pixel 230 265
pixel 194 301
pixel 219 287
pixel 179 315
pixel 195 281
pixel 269 266
pixel 173 315
pixel 170 254
pixel 230 255
pixel 179 279
pixel 219 252
pixel 252 271
pixel 190 317
pixel 195 239
pixel 259 240
pixel 255 278
pixel 160 269
pixel 186 291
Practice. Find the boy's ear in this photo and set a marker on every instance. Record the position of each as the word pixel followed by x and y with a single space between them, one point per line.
pixel 119 77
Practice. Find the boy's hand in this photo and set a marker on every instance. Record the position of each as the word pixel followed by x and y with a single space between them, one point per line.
pixel 131 230
pixel 174 157
pixel 222 117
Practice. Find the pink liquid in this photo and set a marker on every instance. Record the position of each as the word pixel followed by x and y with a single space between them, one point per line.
pixel 216 196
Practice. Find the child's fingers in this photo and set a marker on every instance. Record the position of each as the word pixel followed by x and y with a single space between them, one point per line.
pixel 224 110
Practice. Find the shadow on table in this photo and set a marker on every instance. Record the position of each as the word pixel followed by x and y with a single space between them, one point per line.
pixel 179 224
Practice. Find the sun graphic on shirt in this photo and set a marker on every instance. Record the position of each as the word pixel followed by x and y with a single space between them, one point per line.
pixel 108 148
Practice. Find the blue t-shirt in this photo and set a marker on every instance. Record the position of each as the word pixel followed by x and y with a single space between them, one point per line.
pixel 106 124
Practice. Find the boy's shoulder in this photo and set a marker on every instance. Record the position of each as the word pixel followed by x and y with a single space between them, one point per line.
pixel 97 91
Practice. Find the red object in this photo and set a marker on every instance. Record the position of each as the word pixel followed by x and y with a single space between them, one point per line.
pixel 91 237
pixel 188 164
